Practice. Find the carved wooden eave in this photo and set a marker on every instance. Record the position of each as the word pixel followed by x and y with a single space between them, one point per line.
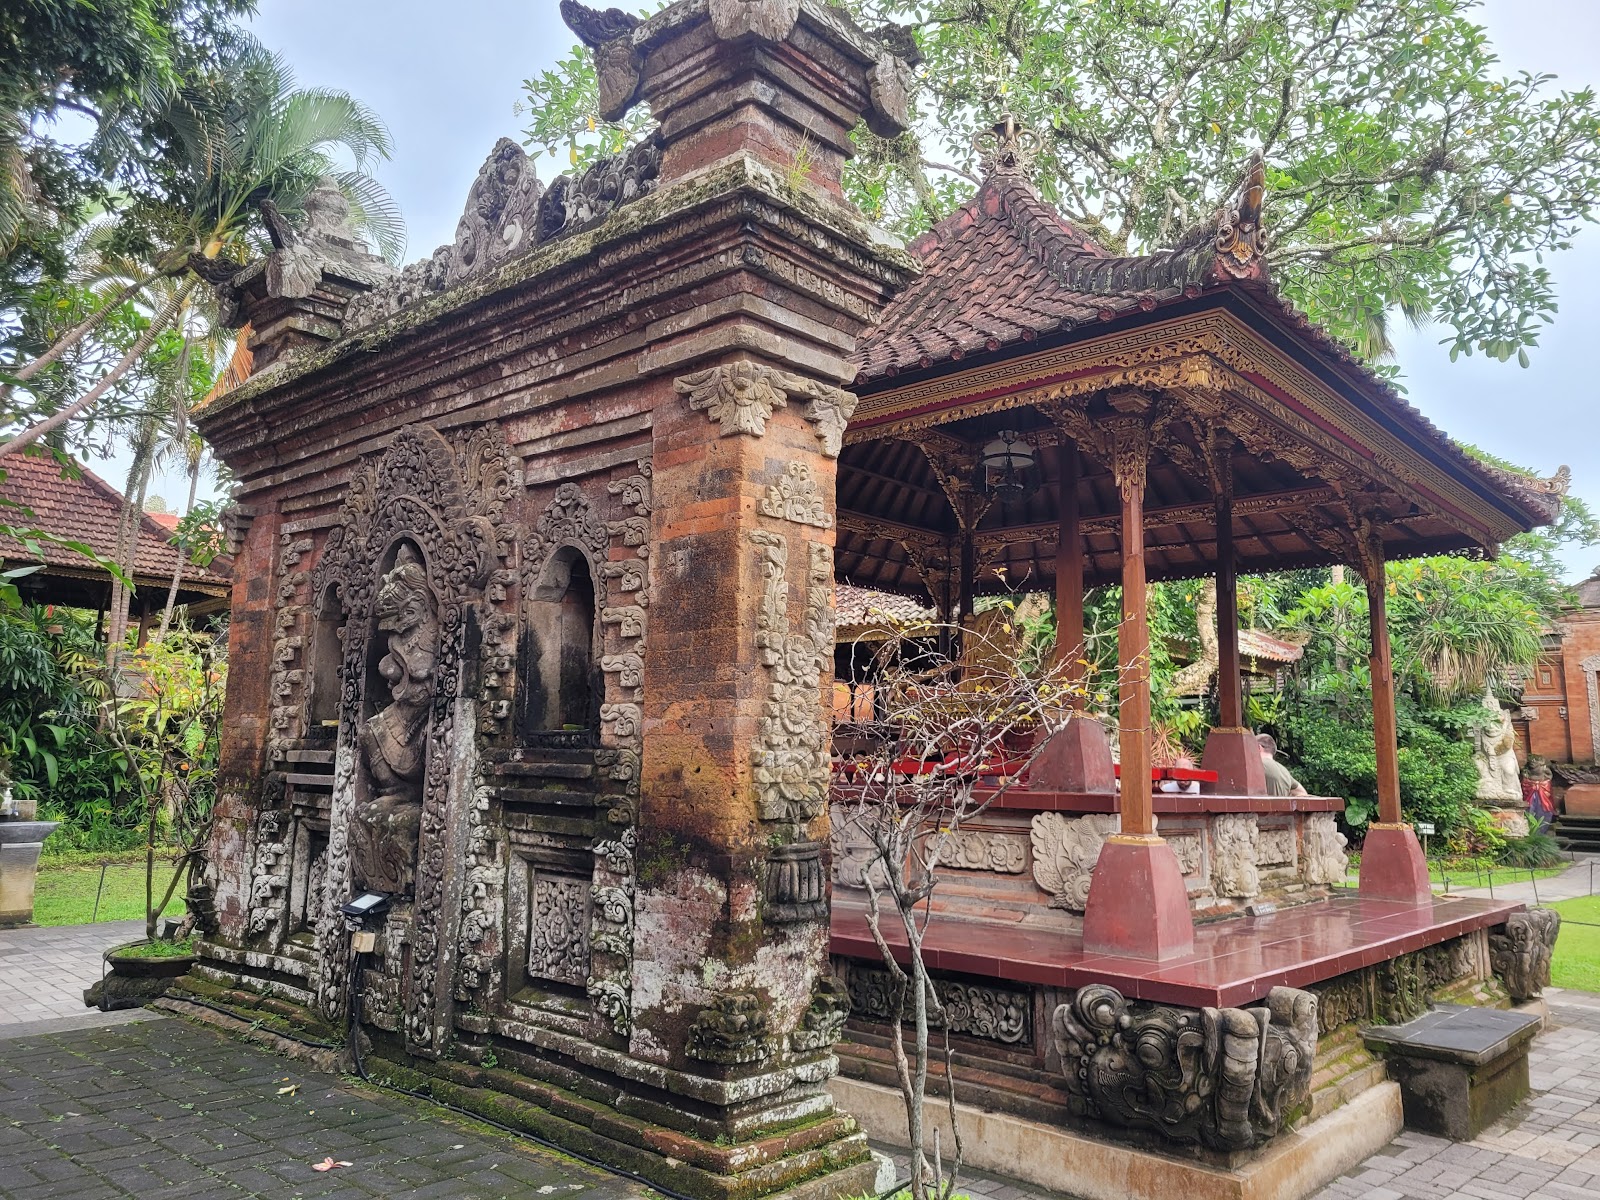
pixel 406 367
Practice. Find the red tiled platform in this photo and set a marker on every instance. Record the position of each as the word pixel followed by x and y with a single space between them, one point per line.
pixel 1173 804
pixel 1236 961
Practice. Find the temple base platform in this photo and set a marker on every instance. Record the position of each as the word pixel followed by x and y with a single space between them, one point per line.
pixel 1236 1071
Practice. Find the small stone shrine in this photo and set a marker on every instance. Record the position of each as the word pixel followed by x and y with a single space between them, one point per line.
pixel 533 621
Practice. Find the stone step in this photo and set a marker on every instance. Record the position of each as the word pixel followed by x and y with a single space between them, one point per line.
pixel 549 797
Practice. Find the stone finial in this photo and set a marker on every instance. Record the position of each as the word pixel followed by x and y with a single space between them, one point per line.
pixel 1007 147
pixel 617 61
pixel 1239 240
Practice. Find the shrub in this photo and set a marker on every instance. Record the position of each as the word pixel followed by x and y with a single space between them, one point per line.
pixel 1538 849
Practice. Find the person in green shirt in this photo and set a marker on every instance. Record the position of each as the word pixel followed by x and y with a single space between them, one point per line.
pixel 1279 781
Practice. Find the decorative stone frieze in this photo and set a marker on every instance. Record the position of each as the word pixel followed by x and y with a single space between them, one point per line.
pixel 1234 854
pixel 987 850
pixel 990 1013
pixel 731 1030
pixel 1323 859
pixel 1227 1078
pixel 1065 850
pixel 269 872
pixel 1275 848
pixel 741 396
pixel 1520 951
pixel 796 497
pixel 790 761
pixel 1400 989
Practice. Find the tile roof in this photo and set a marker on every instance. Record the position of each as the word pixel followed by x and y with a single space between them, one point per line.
pixel 855 606
pixel 87 509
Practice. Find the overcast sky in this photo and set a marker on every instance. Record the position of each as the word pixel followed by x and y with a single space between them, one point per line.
pixel 447 78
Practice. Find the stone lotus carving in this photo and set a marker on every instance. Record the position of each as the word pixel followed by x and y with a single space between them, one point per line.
pixel 393 744
pixel 1065 850
pixel 796 497
pixel 1234 853
pixel 984 850
pixel 1520 951
pixel 741 397
pixel 1322 846
pixel 731 1030
pixel 1227 1078
pixel 790 760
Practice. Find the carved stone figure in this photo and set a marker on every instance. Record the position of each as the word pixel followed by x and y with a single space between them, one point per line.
pixel 1234 855
pixel 732 1029
pixel 393 746
pixel 1227 1078
pixel 1520 951
pixel 1323 859
pixel 1065 850
pixel 1494 754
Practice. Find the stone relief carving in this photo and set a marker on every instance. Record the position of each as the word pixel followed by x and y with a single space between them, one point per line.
pixel 822 1024
pixel 568 520
pixel 577 202
pixel 558 931
pixel 769 20
pixel 1520 951
pixel 796 497
pixel 445 499
pixel 269 872
pixel 1189 851
pixel 1065 850
pixel 985 850
pixel 480 901
pixel 790 761
pixel 1399 989
pixel 501 214
pixel 1275 847
pixel 393 745
pixel 994 1014
pixel 1234 853
pixel 796 884
pixel 617 61
pixel 1322 846
pixel 1494 754
pixel 731 1030
pixel 741 397
pixel 1227 1078
pixel 852 849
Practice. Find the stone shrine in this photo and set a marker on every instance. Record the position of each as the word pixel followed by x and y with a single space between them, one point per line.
pixel 533 625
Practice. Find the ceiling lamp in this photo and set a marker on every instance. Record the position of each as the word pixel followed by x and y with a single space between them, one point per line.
pixel 1007 468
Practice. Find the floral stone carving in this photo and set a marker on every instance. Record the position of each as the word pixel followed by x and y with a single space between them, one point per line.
pixel 796 497
pixel 383 836
pixel 1519 951
pixel 731 1030
pixel 1065 850
pixel 994 1014
pixel 982 850
pixel 741 397
pixel 1228 1078
pixel 1322 848
pixel 1234 853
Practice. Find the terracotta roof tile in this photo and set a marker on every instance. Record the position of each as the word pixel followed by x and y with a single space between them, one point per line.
pixel 86 509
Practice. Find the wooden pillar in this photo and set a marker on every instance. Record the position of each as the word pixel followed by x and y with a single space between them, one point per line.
pixel 1078 756
pixel 1392 864
pixel 1231 748
pixel 1138 905
pixel 967 582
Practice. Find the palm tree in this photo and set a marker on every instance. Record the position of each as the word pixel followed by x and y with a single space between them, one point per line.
pixel 242 137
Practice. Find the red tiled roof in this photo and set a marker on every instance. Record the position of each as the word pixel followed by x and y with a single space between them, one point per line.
pixel 864 606
pixel 86 509
pixel 1253 643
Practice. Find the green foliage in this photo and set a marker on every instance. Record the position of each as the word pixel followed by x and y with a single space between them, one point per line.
pixel 563 107
pixel 1537 849
pixel 1407 174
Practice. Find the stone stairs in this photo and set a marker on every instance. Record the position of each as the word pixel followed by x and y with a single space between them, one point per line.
pixel 1578 833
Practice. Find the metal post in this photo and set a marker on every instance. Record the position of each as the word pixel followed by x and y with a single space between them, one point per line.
pixel 94 915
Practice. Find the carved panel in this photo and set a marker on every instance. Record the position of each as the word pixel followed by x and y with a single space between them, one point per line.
pixel 1521 950
pixel 1275 847
pixel 1065 850
pixel 994 1014
pixel 1234 854
pixel 731 1030
pixel 986 850
pixel 1189 850
pixel 558 927
pixel 796 497
pixel 1322 846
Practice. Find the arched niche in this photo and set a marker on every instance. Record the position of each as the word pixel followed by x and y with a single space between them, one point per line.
pixel 558 670
pixel 325 663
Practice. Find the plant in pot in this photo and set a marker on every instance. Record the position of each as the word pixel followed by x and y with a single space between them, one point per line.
pixel 164 713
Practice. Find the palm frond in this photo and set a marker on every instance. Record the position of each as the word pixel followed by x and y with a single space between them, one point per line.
pixel 374 212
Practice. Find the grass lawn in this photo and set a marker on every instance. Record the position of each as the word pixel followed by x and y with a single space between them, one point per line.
pixel 65 895
pixel 1577 958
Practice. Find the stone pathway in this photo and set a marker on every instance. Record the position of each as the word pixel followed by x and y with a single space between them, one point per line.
pixel 168 1109
pixel 1580 879
pixel 44 969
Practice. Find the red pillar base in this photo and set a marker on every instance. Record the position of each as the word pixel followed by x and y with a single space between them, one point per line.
pixel 1138 905
pixel 1078 759
pixel 1235 755
pixel 1392 866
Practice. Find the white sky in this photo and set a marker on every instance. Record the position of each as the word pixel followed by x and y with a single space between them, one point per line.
pixel 447 79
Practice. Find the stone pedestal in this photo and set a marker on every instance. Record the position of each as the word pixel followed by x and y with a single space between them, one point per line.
pixel 1077 759
pixel 1235 755
pixel 20 844
pixel 1392 866
pixel 1138 906
pixel 1459 1069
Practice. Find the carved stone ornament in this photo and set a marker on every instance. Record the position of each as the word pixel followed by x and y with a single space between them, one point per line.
pixel 1234 854
pixel 769 20
pixel 501 215
pixel 1227 1078
pixel 617 61
pixel 568 520
pixel 1065 850
pixel 1323 859
pixel 790 759
pixel 741 397
pixel 889 87
pixel 992 1014
pixel 1239 234
pixel 796 497
pixel 822 1024
pixel 986 850
pixel 1520 951
pixel 796 885
pixel 558 933
pixel 731 1030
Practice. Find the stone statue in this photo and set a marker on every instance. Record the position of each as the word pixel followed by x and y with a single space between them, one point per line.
pixel 1494 754
pixel 394 742
pixel 1520 951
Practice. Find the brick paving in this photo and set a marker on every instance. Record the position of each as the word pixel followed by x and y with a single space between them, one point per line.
pixel 167 1109
pixel 44 969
